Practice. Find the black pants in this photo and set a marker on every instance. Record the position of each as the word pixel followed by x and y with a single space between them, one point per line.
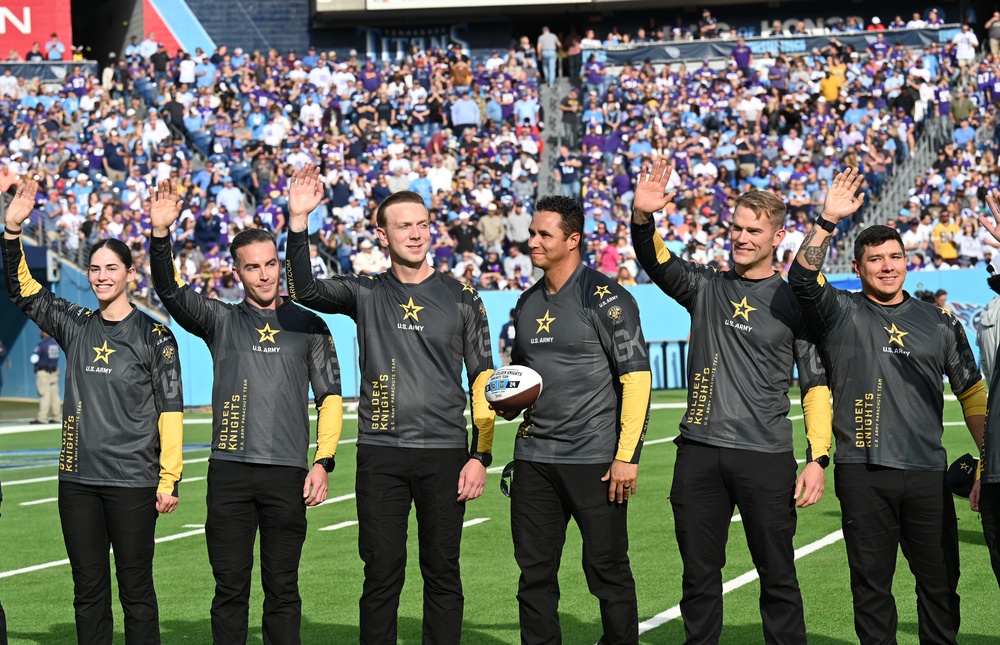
pixel 242 498
pixel 543 499
pixel 709 482
pixel 388 479
pixel 989 506
pixel 93 519
pixel 885 509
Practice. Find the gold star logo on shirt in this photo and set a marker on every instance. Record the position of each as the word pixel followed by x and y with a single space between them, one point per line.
pixel 468 287
pixel 896 334
pixel 267 333
pixel 103 352
pixel 159 329
pixel 411 310
pixel 742 309
pixel 544 322
pixel 602 291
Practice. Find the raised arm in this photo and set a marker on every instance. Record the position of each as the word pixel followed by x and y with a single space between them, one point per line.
pixel 651 192
pixel 305 191
pixel 842 201
pixel 336 295
pixel 675 277
pixel 992 223
pixel 56 316
pixel 194 312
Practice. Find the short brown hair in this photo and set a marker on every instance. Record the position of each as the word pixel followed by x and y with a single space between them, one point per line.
pixel 402 197
pixel 764 204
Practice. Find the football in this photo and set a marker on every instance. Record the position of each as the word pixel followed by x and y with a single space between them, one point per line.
pixel 512 389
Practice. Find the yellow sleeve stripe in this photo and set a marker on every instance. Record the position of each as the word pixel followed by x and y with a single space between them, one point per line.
pixel 29 286
pixel 636 387
pixel 177 274
pixel 821 279
pixel 662 252
pixel 973 400
pixel 329 425
pixel 482 416
pixel 171 429
pixel 818 414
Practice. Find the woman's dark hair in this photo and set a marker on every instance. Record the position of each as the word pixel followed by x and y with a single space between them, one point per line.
pixel 117 247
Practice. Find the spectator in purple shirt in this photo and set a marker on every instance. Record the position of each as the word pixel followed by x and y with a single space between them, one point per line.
pixel 741 55
pixel 777 75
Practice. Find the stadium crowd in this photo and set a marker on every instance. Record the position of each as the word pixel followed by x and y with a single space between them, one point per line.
pixel 230 126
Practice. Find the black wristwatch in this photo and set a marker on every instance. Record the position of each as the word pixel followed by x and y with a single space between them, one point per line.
pixel 823 461
pixel 825 224
pixel 327 463
pixel 486 458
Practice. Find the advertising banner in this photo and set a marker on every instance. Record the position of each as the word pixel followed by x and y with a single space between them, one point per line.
pixel 23 22
pixel 676 51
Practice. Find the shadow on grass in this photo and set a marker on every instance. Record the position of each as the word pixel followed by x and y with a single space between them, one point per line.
pixel 964 637
pixel 972 536
pixel 57 633
pixel 177 632
pixel 673 632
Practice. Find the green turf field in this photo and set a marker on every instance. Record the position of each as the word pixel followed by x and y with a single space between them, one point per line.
pixel 39 606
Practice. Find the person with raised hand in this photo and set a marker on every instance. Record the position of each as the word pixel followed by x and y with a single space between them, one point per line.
pixel 886 353
pixel 735 448
pixel 267 353
pixel 417 329
pixel 122 426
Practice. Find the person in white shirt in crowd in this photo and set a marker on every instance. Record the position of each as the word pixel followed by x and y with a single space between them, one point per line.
pixel 965 43
pixel 310 112
pixel 230 196
pixel 469 259
pixel 369 260
pixel 154 131
pixel 440 175
pixel 917 22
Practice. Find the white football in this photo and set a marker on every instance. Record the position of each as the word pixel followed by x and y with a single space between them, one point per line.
pixel 513 387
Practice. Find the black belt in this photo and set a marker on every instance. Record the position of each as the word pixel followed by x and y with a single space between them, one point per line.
pixel 48 369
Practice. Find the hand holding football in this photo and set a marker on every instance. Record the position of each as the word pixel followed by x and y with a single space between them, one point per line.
pixel 512 389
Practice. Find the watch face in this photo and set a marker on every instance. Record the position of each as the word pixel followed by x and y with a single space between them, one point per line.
pixel 485 457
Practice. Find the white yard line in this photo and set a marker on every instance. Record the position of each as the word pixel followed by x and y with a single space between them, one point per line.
pixel 47 500
pixel 473 522
pixel 337 527
pixel 334 500
pixel 745 579
pixel 33 480
pixel 59 563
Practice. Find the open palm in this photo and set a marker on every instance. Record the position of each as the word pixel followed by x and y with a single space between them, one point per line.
pixel 165 206
pixel 650 190
pixel 304 192
pixel 843 200
pixel 23 203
